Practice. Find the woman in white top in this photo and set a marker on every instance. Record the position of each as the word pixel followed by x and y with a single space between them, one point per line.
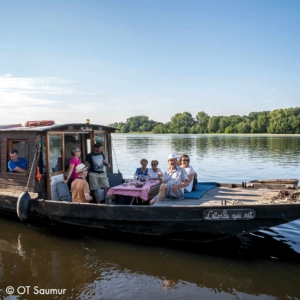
pixel 153 172
pixel 184 162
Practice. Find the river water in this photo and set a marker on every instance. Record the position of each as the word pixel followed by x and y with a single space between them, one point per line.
pixel 262 265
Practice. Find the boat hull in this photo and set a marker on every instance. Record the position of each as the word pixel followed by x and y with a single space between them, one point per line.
pixel 174 222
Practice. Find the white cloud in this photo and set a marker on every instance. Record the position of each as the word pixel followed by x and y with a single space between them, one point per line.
pixel 25 98
pixel 35 92
pixel 274 88
pixel 34 85
pixel 17 99
pixel 24 92
pixel 44 98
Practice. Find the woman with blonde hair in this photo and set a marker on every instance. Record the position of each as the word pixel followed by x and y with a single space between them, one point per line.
pixel 154 171
pixel 184 162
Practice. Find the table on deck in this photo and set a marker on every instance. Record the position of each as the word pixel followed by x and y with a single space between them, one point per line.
pixel 147 192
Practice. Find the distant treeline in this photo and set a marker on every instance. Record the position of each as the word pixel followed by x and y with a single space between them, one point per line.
pixel 285 120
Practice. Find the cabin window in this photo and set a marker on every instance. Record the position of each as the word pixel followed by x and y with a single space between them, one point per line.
pixel 21 146
pixel 56 151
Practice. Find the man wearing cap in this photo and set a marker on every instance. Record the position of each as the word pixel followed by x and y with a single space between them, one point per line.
pixel 172 182
pixel 97 176
pixel 80 188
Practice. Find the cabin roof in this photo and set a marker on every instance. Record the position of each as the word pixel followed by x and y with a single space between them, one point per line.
pixel 61 127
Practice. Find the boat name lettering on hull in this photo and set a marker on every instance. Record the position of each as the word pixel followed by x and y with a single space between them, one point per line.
pixel 228 214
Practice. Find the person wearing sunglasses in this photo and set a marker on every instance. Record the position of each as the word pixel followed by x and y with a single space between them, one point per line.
pixel 184 162
pixel 74 162
pixel 154 171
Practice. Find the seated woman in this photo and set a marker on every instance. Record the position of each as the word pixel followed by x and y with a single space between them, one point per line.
pixel 154 171
pixel 74 162
pixel 184 162
pixel 143 170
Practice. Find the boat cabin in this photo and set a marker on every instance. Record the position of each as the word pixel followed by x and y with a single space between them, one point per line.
pixel 47 150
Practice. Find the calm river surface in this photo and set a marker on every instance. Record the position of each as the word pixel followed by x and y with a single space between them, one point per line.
pixel 263 265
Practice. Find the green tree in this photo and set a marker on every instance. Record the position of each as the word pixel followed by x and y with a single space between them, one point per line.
pixel 161 128
pixel 263 121
pixel 224 122
pixel 182 122
pixel 277 121
pixel 213 124
pixel 254 126
pixel 242 127
pixel 202 120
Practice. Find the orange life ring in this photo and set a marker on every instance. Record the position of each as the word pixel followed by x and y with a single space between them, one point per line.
pixel 39 123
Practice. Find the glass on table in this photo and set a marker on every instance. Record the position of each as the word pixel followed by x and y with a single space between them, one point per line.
pixel 143 178
pixel 127 182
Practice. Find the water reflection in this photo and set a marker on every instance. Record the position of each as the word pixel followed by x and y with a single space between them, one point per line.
pixel 92 267
pixel 261 265
pixel 221 158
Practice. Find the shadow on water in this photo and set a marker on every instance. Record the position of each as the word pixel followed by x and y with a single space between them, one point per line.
pixel 281 242
pixel 97 266
pixel 277 243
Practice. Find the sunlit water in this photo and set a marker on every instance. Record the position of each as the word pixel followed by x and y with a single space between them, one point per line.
pixel 221 158
pixel 262 265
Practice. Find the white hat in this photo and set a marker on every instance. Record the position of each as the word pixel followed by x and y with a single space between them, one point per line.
pixel 172 156
pixel 81 167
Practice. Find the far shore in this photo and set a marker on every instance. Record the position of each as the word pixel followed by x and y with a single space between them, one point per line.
pixel 235 134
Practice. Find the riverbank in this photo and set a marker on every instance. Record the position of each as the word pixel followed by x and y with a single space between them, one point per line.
pixel 280 121
pixel 215 134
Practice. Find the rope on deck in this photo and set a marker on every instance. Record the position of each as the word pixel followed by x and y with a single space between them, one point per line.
pixel 283 196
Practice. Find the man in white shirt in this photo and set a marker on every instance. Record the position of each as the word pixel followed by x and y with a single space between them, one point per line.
pixel 172 182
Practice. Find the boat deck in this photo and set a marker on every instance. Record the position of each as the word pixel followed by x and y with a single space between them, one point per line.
pixel 236 196
pixel 214 197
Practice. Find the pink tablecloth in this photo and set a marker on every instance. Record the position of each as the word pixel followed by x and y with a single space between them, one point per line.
pixel 132 191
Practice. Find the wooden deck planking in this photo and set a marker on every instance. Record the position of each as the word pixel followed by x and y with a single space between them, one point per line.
pixel 215 196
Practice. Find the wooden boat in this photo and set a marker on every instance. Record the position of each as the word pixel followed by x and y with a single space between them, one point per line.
pixel 226 209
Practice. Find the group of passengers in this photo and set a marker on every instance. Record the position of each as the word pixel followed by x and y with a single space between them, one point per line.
pixel 175 181
pixel 178 179
pixel 151 173
pixel 94 167
pixel 80 188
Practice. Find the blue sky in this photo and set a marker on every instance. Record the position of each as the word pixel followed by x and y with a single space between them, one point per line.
pixel 108 60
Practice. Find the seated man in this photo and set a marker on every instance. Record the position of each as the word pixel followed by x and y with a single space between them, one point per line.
pixel 16 163
pixel 80 188
pixel 175 179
